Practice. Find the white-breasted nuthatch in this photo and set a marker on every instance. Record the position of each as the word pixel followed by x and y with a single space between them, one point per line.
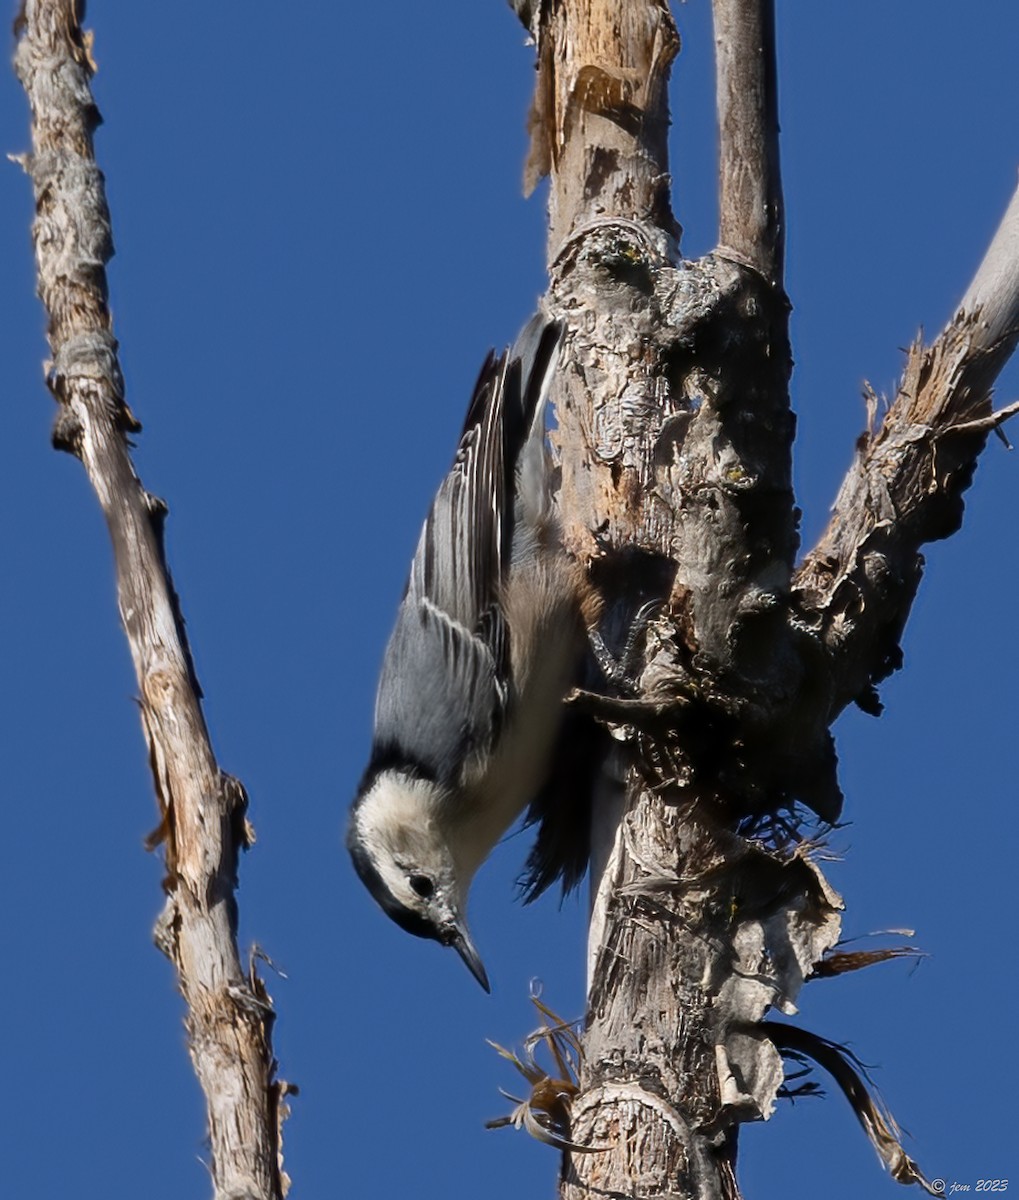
pixel 485 646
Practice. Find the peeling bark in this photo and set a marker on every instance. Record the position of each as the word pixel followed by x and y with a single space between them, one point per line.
pixel 674 437
pixel 229 1013
pixel 598 122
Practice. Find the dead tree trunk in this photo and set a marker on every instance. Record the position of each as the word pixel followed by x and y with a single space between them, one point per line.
pixel 675 436
pixel 203 824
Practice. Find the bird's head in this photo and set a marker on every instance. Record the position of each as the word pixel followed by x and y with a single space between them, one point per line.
pixel 398 850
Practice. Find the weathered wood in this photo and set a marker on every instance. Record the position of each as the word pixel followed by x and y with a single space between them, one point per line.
pixel 598 125
pixel 675 438
pixel 751 215
pixel 229 1015
pixel 994 293
pixel 855 588
pixel 675 435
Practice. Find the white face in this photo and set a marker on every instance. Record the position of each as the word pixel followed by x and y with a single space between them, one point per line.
pixel 393 823
pixel 402 858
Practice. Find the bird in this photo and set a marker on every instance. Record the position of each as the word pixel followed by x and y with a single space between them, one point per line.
pixel 485 646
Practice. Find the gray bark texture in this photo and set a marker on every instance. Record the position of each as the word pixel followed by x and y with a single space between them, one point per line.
pixel 203 825
pixel 675 435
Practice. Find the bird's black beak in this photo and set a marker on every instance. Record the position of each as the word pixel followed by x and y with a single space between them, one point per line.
pixel 460 940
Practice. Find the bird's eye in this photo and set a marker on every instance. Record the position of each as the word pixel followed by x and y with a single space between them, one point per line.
pixel 422 886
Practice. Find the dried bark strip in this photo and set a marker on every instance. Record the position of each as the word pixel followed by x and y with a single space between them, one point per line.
pixel 229 1017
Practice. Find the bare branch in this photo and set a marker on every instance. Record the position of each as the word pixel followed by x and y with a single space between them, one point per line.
pixel 905 487
pixel 994 292
pixel 751 217
pixel 230 1016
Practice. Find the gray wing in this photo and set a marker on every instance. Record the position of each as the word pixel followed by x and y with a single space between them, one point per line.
pixel 445 679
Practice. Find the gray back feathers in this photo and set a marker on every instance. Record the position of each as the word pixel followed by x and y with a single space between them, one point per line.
pixel 445 679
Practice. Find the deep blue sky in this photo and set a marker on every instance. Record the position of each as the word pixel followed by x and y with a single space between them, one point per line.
pixel 320 232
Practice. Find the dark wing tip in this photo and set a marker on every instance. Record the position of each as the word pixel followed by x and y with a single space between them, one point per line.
pixel 529 372
pixel 489 377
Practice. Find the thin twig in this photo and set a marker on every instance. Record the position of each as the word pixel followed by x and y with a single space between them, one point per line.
pixel 987 424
